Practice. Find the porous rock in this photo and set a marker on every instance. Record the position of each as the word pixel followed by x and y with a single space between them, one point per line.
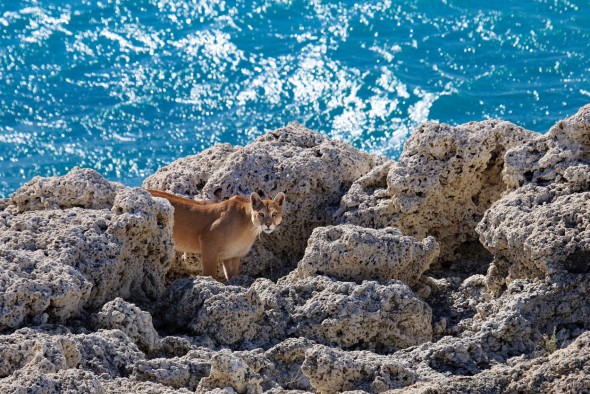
pixel 311 169
pixel 81 187
pixel 335 371
pixel 231 370
pixel 543 227
pixel 563 371
pixel 53 348
pixel 354 253
pixel 55 262
pixel 131 320
pixel 369 315
pixel 444 181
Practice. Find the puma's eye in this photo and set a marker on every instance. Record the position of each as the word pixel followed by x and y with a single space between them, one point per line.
pixel 274 214
pixel 261 214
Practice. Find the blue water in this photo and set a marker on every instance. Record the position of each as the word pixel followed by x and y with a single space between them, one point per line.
pixel 126 86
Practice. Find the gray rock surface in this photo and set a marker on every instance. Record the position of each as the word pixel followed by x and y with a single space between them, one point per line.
pixel 81 187
pixel 311 169
pixel 444 181
pixel 368 316
pixel 56 262
pixel 543 227
pixel 131 320
pixel 355 253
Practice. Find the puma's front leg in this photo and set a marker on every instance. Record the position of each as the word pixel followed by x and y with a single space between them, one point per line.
pixel 209 260
pixel 231 267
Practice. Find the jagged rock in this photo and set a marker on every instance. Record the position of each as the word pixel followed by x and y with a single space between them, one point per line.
pixel 55 262
pixel 348 252
pixel 53 348
pixel 229 370
pixel 546 158
pixel 444 181
pixel 373 316
pixel 65 381
pixel 179 372
pixel 367 316
pixel 311 169
pixel 134 322
pixel 188 176
pixel 564 371
pixel 543 227
pixel 335 371
pixel 81 187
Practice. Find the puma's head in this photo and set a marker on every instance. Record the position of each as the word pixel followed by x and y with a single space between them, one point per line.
pixel 267 214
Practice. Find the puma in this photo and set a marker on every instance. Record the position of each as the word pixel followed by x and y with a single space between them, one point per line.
pixel 222 231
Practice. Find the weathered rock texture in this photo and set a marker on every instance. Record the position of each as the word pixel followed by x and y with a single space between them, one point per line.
pixel 78 258
pixel 442 184
pixel 311 169
pixel 374 316
pixel 354 253
pixel 543 227
pixel 56 262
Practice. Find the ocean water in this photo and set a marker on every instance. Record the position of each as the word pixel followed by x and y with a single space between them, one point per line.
pixel 126 86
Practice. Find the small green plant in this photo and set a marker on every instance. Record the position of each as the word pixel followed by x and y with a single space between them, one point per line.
pixel 550 342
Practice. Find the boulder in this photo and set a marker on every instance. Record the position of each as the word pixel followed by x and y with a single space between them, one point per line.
pixel 353 253
pixel 444 181
pixel 542 227
pixel 131 320
pixel 57 262
pixel 369 315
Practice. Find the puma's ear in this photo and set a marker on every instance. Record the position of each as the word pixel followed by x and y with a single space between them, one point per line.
pixel 255 199
pixel 279 199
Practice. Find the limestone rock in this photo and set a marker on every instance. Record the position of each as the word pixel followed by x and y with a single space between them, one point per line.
pixel 334 371
pixel 311 169
pixel 188 176
pixel 178 372
pixel 81 187
pixel 546 158
pixel 543 227
pixel 55 262
pixel 444 181
pixel 229 370
pixel 367 316
pixel 54 348
pixel 131 320
pixel 381 317
pixel 348 252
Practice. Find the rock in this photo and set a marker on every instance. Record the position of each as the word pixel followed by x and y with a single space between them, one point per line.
pixel 367 316
pixel 188 176
pixel 311 169
pixel 381 317
pixel 131 320
pixel 444 181
pixel 57 262
pixel 178 372
pixel 53 348
pixel 353 253
pixel 81 187
pixel 546 158
pixel 334 371
pixel 562 371
pixel 231 371
pixel 543 227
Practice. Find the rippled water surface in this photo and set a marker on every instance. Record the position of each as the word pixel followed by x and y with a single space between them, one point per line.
pixel 126 86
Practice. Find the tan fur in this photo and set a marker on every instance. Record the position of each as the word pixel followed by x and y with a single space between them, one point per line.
pixel 223 231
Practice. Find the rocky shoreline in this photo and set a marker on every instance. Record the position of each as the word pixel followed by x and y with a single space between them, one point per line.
pixel 462 267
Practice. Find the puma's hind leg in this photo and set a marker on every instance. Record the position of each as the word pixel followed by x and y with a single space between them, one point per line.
pixel 231 267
